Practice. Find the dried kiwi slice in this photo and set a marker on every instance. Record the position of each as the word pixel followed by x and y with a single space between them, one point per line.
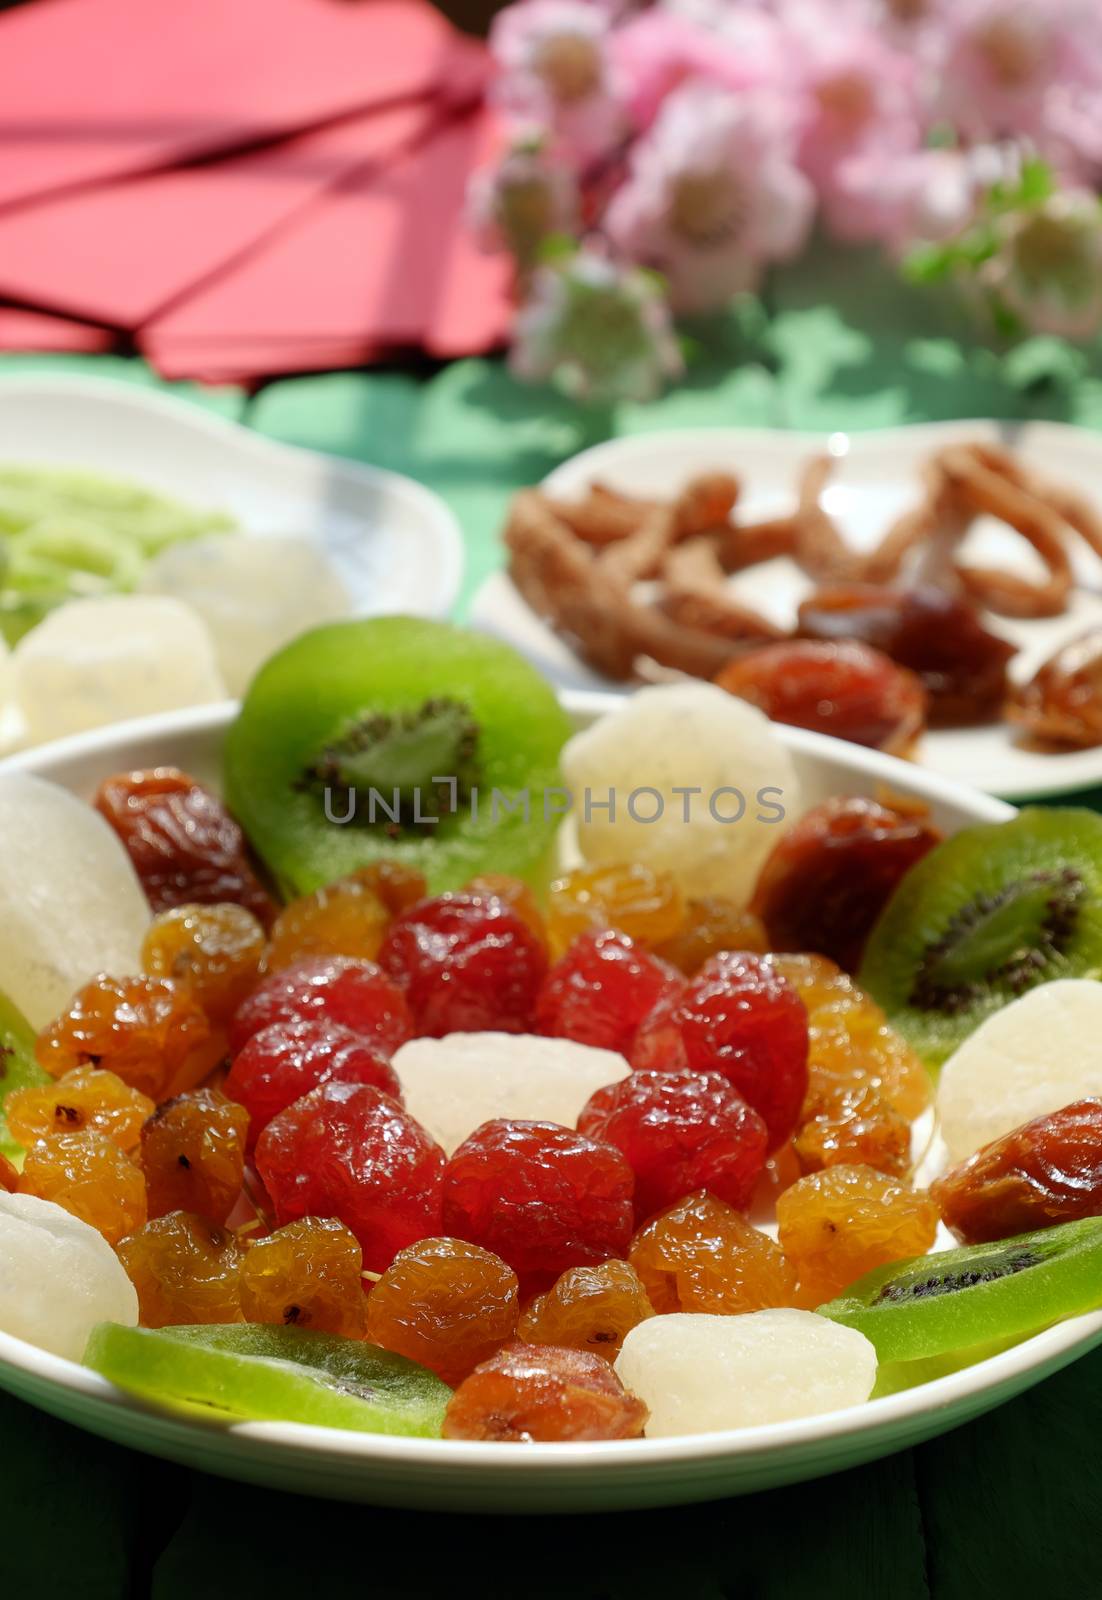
pixel 956 1299
pixel 396 737
pixel 985 916
pixel 18 1067
pixel 272 1374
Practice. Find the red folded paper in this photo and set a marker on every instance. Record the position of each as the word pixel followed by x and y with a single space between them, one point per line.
pixel 93 89
pixel 31 330
pixel 381 261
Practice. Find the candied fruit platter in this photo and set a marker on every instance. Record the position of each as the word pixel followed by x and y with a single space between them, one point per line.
pixel 933 590
pixel 426 1089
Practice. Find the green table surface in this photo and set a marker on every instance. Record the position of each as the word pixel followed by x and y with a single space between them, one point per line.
pixel 1006 1506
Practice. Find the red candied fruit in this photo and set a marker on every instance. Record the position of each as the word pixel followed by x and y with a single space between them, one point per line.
pixel 601 989
pixel 280 1064
pixel 543 1392
pixel 829 878
pixel 183 843
pixel 680 1131
pixel 349 1151
pixel 336 989
pixel 740 1018
pixel 468 963
pixel 540 1196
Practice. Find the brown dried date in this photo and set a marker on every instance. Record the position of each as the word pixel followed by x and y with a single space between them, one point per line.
pixel 183 843
pixel 829 878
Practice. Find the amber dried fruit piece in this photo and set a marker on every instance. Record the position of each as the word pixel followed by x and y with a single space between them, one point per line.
pixel 344 918
pixel 184 1269
pixel 89 1176
pixel 86 1097
pixel 829 878
pixel 845 689
pixel 1045 1172
pixel 1061 705
pixel 445 1303
pixel 836 1225
pixel 543 1392
pixel 308 1274
pixel 193 1155
pixel 711 925
pixel 183 843
pixel 939 636
pixel 9 1176
pixel 646 905
pixel 216 950
pixel 701 1255
pixel 865 1084
pixel 148 1031
pixel 588 1308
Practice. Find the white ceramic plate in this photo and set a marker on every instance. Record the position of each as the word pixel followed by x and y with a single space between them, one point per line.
pixel 395 544
pixel 442 1474
pixel 875 479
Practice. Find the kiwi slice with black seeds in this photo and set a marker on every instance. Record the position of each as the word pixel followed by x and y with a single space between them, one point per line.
pixel 956 1299
pixel 983 917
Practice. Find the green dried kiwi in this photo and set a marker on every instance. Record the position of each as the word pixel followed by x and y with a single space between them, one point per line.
pixel 397 738
pixel 988 914
pixel 960 1299
pixel 270 1373
pixel 18 1067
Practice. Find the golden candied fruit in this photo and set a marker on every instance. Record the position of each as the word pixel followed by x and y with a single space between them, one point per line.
pixel 711 925
pixel 184 1269
pixel 86 1097
pixel 308 1274
pixel 646 905
pixel 445 1303
pixel 838 1224
pixel 865 1083
pixel 88 1175
pixel 216 950
pixel 193 1155
pixel 701 1255
pixel 9 1176
pixel 345 918
pixel 148 1031
pixel 588 1308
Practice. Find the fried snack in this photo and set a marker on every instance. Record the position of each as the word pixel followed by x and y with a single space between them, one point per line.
pixel 696 595
pixel 1061 705
pixel 742 545
pixel 937 523
pixel 820 548
pixel 642 553
pixel 604 516
pixel 560 580
pixel 985 489
pixel 705 504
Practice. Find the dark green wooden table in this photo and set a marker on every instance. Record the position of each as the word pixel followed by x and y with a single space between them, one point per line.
pixel 1005 1507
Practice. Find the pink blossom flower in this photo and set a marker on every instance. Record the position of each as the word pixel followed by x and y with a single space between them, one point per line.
pixel 713 195
pixel 731 45
pixel 597 330
pixel 1025 68
pixel 555 70
pixel 862 98
pixel 521 202
pixel 1048 268
pixel 927 195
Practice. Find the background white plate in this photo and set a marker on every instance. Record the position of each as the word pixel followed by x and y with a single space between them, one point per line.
pixel 875 479
pixel 458 1476
pixel 395 544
